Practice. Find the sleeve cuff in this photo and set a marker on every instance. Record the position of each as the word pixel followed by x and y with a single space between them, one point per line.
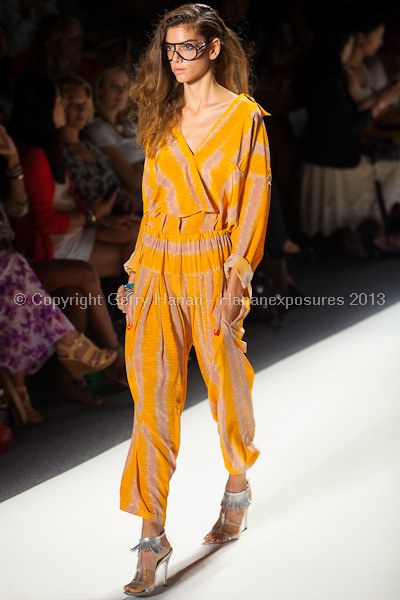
pixel 242 268
pixel 131 265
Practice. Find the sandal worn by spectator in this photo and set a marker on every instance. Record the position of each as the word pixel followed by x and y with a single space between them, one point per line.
pixel 19 401
pixel 80 366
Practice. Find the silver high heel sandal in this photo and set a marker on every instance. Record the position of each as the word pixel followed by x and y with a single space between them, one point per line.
pixel 232 501
pixel 145 577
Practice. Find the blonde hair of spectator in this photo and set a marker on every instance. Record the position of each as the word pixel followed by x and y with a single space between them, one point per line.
pixel 158 97
pixel 73 82
pixel 101 113
pixel 49 33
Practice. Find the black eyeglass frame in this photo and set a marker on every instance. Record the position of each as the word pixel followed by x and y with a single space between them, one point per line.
pixel 198 48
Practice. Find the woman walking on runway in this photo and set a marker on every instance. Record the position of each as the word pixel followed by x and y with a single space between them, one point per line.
pixel 206 194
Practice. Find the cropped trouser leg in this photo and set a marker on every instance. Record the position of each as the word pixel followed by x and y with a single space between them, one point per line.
pixel 157 348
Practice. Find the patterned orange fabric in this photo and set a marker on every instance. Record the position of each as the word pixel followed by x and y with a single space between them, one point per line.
pixel 225 183
pixel 204 213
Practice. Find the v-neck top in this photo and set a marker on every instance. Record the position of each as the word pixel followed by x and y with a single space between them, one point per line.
pixel 224 184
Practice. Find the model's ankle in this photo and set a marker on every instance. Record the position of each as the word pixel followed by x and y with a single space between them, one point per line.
pixel 150 529
pixel 236 483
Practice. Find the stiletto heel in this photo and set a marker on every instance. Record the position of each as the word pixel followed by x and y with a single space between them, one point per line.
pixel 146 577
pixel 166 563
pixel 232 501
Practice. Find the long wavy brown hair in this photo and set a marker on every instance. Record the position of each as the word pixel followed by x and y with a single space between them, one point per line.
pixel 158 97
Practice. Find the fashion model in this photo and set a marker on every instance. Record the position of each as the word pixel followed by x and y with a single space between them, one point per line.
pixel 206 195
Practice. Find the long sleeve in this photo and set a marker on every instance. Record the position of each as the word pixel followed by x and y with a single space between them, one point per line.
pixel 131 264
pixel 40 187
pixel 248 237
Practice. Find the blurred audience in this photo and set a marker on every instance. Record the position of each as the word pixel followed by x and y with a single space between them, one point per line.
pixel 21 19
pixel 31 327
pixel 89 167
pixel 365 87
pixel 6 83
pixel 113 129
pixel 57 49
pixel 60 225
pixel 338 189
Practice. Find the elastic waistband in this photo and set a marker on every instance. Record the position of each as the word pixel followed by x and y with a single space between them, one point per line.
pixel 185 254
pixel 184 237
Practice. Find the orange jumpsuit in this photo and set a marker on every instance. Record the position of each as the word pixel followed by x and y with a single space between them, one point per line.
pixel 204 213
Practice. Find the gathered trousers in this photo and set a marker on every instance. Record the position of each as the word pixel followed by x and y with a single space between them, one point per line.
pixel 178 283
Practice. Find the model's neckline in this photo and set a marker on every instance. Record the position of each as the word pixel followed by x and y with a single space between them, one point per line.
pixel 212 128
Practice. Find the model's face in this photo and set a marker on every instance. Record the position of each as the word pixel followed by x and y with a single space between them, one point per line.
pixel 114 91
pixel 59 111
pixel 347 51
pixel 70 45
pixel 188 71
pixel 373 41
pixel 76 108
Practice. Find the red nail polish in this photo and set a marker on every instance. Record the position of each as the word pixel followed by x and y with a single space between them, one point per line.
pixel 216 331
pixel 128 326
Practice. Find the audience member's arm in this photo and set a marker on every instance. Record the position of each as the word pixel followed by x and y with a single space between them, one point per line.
pixel 17 191
pixel 379 102
pixel 131 176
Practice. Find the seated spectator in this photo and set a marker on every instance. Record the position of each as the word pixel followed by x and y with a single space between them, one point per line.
pixel 59 223
pixel 89 167
pixel 66 278
pixel 369 31
pixel 32 330
pixel 6 83
pixel 113 129
pixel 338 188
pixel 56 49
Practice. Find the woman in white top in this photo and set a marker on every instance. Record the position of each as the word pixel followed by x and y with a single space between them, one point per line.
pixel 370 30
pixel 113 130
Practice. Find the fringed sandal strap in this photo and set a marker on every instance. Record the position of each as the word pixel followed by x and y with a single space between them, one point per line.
pixel 236 500
pixel 151 543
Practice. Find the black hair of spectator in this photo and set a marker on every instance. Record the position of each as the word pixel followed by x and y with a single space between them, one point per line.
pixel 32 120
pixel 5 81
pixel 325 53
pixel 366 21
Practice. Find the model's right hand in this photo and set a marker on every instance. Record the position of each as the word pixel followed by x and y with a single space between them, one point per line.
pixel 102 208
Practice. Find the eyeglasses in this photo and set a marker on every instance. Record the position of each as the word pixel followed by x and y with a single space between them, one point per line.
pixel 187 50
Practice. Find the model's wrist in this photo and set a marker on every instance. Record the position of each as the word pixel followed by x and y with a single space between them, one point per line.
pixel 234 284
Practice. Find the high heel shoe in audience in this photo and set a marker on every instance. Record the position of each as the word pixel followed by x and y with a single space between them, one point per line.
pixel 78 367
pixel 20 402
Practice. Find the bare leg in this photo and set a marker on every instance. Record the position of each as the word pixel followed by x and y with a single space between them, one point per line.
pixel 74 311
pixel 18 379
pixel 112 249
pixel 55 274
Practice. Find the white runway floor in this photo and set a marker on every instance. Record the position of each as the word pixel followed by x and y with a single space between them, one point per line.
pixel 325 518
